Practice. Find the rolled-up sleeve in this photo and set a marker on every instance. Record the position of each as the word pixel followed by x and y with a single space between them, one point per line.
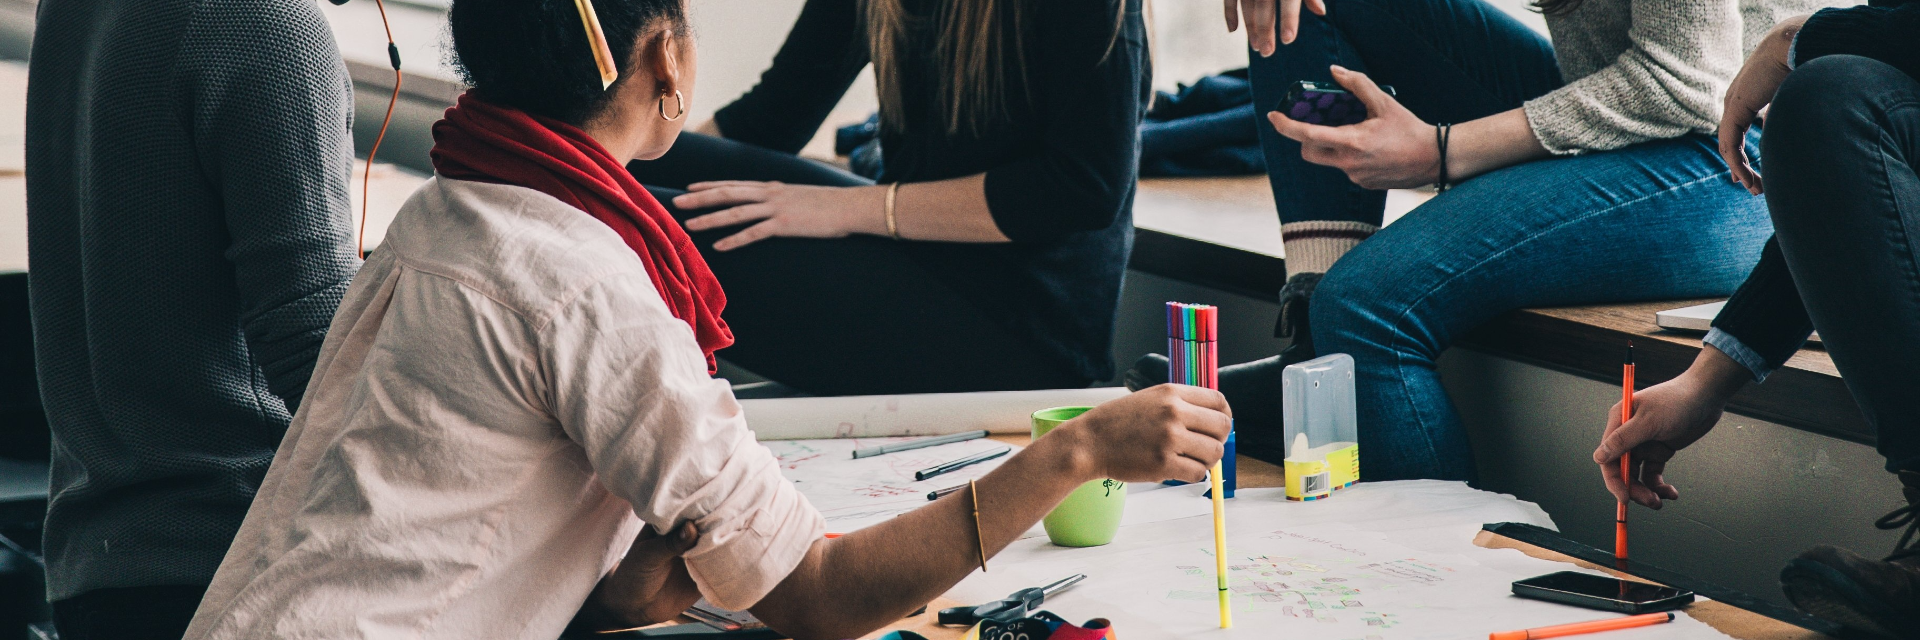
pixel 1668 83
pixel 630 385
pixel 1765 322
pixel 1090 88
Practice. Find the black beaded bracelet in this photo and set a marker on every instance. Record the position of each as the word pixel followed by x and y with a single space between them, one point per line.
pixel 1441 132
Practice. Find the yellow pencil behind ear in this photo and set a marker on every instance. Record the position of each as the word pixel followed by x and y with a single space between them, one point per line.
pixel 597 39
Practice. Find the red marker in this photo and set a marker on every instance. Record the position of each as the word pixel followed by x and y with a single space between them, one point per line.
pixel 1626 464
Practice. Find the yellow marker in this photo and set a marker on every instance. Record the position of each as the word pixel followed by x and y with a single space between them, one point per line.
pixel 597 39
pixel 1220 542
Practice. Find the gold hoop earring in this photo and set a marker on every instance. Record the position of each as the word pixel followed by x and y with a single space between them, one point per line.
pixel 679 102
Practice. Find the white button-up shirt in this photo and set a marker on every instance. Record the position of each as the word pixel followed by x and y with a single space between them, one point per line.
pixel 500 395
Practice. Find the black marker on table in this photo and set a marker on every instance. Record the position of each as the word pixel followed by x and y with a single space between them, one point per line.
pixel 937 494
pixel 963 462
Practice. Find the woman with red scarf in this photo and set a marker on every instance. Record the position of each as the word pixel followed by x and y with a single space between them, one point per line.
pixel 516 393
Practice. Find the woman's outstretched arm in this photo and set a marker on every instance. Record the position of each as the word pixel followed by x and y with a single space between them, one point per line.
pixel 847 587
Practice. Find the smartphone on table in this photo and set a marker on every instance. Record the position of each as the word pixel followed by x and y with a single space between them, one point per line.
pixel 1324 103
pixel 1602 592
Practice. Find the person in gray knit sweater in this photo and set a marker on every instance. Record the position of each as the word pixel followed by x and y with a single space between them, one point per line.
pixel 189 238
pixel 1582 169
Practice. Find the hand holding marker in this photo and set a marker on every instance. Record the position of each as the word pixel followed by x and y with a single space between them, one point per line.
pixel 1194 355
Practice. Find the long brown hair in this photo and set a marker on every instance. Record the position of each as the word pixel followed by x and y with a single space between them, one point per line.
pixel 980 51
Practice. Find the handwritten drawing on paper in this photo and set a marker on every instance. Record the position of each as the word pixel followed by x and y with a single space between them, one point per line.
pixel 1287 579
pixel 1327 582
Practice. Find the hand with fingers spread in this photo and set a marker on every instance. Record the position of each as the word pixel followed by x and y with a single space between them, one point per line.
pixel 1667 417
pixel 650 585
pixel 1391 149
pixel 1750 92
pixel 1262 21
pixel 777 210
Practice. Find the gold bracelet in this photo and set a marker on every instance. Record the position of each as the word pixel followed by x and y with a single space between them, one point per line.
pixel 893 228
pixel 974 492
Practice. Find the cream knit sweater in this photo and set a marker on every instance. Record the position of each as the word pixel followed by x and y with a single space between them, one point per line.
pixel 1640 70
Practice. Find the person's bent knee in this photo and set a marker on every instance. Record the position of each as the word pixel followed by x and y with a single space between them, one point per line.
pixel 1345 302
pixel 1831 90
pixel 1827 122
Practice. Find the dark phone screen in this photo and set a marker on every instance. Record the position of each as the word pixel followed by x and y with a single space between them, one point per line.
pixel 1602 587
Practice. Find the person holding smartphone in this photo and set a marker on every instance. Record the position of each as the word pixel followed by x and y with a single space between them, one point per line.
pixel 1576 169
pixel 1842 141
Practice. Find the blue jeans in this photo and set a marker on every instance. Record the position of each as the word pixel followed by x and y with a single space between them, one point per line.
pixel 1651 221
pixel 1657 220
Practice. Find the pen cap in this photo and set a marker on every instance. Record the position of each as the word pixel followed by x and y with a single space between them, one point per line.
pixel 1507 635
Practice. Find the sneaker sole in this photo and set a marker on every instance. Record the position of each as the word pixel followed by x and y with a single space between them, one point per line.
pixel 1828 594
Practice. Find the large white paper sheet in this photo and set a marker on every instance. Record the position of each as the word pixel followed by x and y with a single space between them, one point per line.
pixel 1380 561
pixel 925 414
pixel 1328 581
pixel 853 494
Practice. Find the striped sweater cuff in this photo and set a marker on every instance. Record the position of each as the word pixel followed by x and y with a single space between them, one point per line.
pixel 1313 246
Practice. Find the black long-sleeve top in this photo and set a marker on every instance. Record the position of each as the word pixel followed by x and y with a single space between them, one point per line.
pixel 1765 318
pixel 1060 168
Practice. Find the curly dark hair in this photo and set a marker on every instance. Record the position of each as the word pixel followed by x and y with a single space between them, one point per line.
pixel 533 55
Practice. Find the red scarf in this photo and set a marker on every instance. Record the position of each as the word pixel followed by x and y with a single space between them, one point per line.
pixel 484 142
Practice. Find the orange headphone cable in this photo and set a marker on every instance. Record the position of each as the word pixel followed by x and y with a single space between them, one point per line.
pixel 366 182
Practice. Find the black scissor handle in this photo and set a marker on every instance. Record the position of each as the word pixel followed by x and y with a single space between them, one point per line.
pixel 957 616
pixel 1004 610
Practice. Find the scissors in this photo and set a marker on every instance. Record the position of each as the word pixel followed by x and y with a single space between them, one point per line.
pixel 1013 607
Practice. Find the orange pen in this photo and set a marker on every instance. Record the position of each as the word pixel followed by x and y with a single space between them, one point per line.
pixel 1610 624
pixel 1626 464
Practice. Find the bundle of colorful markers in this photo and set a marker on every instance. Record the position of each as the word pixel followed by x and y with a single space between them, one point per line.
pixel 1190 344
pixel 1195 360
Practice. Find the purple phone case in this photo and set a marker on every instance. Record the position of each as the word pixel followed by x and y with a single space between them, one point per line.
pixel 1328 108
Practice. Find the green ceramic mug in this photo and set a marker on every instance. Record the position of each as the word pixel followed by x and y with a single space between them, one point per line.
pixel 1090 516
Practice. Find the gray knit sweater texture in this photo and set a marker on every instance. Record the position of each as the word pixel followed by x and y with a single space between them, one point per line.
pixel 189 237
pixel 1640 70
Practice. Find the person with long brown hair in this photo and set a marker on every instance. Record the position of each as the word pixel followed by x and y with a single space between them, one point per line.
pixel 1576 169
pixel 990 251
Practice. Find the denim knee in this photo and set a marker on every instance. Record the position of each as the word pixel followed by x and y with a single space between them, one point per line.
pixel 1347 304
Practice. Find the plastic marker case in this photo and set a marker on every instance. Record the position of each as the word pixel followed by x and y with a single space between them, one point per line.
pixel 1322 435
